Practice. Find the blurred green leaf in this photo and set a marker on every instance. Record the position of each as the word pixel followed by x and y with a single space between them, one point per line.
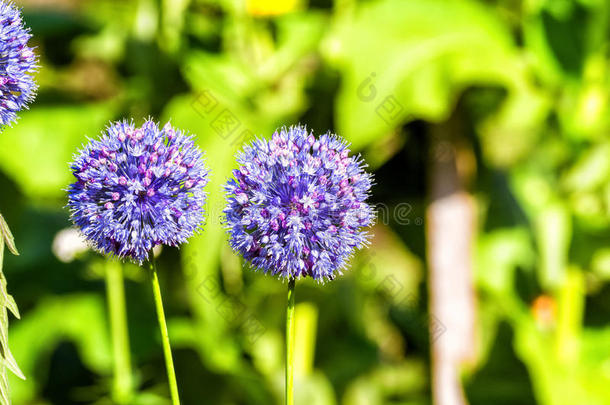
pixel 55 133
pixel 499 253
pixel 553 234
pixel 590 170
pixel 600 263
pixel 419 56
pixel 314 389
pixel 379 386
pixel 78 318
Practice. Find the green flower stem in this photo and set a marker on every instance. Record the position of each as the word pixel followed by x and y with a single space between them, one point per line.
pixel 167 351
pixel 123 383
pixel 290 344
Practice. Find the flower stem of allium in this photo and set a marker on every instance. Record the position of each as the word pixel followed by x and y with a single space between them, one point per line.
pixel 122 385
pixel 290 344
pixel 167 351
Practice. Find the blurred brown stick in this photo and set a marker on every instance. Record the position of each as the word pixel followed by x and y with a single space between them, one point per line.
pixel 450 228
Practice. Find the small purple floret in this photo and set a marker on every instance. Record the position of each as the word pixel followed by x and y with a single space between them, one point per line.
pixel 17 63
pixel 297 206
pixel 137 188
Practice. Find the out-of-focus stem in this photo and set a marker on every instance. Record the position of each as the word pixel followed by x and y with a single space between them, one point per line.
pixel 123 382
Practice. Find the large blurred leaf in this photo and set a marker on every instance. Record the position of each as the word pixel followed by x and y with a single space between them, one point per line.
pixel 409 59
pixel 79 318
pixel 559 382
pixel 35 153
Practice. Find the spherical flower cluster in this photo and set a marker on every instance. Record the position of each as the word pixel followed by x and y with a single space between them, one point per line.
pixel 297 206
pixel 17 63
pixel 137 188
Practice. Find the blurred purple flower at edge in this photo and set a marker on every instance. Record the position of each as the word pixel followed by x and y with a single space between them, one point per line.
pixel 17 63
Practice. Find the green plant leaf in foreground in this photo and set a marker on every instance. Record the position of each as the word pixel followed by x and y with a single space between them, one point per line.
pixel 7 236
pixel 6 302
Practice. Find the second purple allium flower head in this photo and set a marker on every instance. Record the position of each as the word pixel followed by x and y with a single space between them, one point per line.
pixel 137 188
pixel 297 205
pixel 17 63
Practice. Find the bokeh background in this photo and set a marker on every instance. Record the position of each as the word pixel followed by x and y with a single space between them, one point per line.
pixel 501 106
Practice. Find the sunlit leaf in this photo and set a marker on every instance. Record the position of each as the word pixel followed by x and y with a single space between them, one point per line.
pixel 36 153
pixel 78 318
pixel 404 60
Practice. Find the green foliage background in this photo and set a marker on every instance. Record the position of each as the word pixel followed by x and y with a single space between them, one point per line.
pixel 527 80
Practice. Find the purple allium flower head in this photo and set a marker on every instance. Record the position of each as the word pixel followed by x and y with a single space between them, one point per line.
pixel 297 205
pixel 17 63
pixel 137 188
